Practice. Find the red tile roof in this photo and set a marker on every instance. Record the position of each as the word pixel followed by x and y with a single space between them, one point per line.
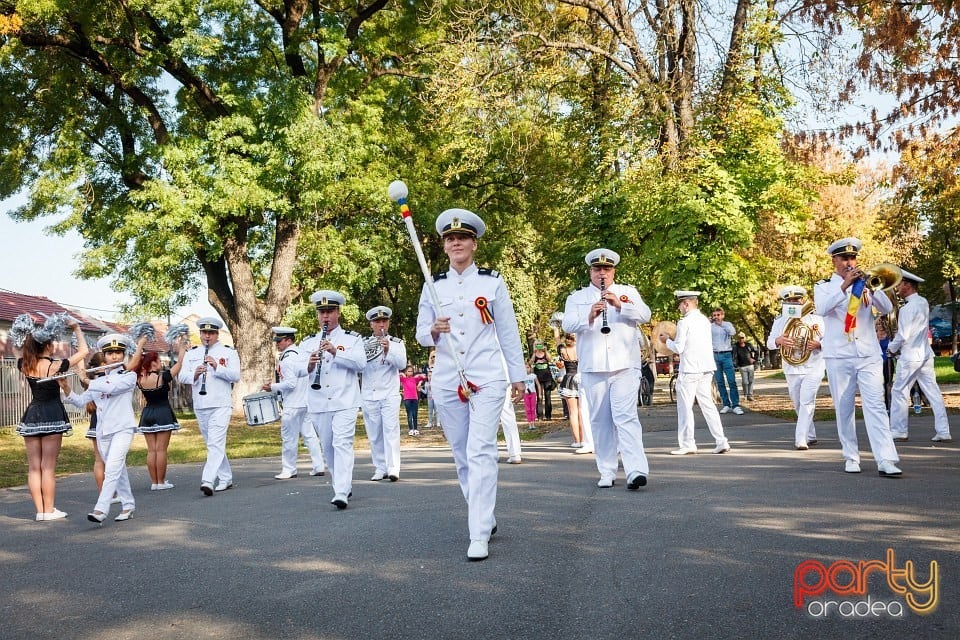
pixel 13 304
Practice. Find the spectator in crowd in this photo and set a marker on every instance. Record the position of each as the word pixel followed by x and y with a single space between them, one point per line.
pixel 744 358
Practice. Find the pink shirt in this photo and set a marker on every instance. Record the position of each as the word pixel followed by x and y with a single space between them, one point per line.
pixel 409 385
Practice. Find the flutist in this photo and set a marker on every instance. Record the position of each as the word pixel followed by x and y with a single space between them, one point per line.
pixel 609 366
pixel 386 355
pixel 215 367
pixel 332 407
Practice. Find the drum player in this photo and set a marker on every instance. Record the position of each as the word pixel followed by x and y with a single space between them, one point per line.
pixel 386 356
pixel 291 384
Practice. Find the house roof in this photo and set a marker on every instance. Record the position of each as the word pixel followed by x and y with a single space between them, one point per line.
pixel 13 304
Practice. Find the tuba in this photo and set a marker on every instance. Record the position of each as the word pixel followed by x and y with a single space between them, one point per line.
pixel 801 333
pixel 372 347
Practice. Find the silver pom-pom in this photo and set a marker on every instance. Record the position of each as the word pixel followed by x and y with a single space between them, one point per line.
pixel 141 329
pixel 176 332
pixel 52 328
pixel 22 327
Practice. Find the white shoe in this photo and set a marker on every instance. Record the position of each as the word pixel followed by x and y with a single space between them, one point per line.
pixel 339 501
pixel 900 436
pixel 725 409
pixel 722 448
pixel 154 487
pixel 56 514
pixel 284 476
pixel 851 466
pixel 416 432
pixel 738 410
pixel 941 438
pixel 411 432
pixel 206 488
pixel 682 451
pixel 605 483
pixel 223 486
pixel 636 480
pixel 124 515
pixel 317 473
pixel 378 476
pixel 477 550
pixel 514 460
pixel 802 447
pixel 163 486
pixel 576 445
pixel 584 449
pixel 887 468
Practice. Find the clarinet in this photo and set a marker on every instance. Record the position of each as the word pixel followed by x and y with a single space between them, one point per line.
pixel 604 327
pixel 203 378
pixel 319 366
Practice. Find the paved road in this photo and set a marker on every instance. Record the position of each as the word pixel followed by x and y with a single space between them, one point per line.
pixel 707 550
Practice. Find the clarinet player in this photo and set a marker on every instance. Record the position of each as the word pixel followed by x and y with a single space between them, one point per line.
pixel 211 369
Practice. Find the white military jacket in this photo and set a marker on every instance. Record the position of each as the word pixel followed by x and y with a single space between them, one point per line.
pixel 479 344
pixel 113 395
pixel 617 350
pixel 814 363
pixel 381 376
pixel 219 380
pixel 913 323
pixel 293 382
pixel 694 343
pixel 831 303
pixel 339 385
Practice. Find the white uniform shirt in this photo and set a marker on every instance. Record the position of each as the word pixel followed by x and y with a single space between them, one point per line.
pixel 219 381
pixel 113 395
pixel 831 303
pixel 381 376
pixel 614 351
pixel 339 385
pixel 815 362
pixel 479 345
pixel 694 343
pixel 913 322
pixel 294 382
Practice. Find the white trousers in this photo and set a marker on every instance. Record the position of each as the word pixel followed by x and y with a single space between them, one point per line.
pixel 293 425
pixel 699 387
pixel 113 449
pixel 336 430
pixel 471 429
pixel 803 392
pixel 612 402
pixel 586 429
pixel 508 422
pixel 845 376
pixel 381 418
pixel 213 423
pixel 920 372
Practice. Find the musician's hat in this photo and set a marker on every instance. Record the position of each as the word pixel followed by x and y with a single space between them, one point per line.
pixel 915 279
pixel 845 247
pixel 209 323
pixel 115 342
pixel 685 294
pixel 460 221
pixel 379 313
pixel 327 299
pixel 279 333
pixel 602 258
pixel 792 291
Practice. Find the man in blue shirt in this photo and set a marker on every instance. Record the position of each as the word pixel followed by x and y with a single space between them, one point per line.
pixel 721 332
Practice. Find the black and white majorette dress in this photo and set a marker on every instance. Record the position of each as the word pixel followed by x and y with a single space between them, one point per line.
pixel 570 383
pixel 45 415
pixel 157 414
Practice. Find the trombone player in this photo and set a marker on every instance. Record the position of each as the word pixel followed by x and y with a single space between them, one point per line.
pixel 796 333
pixel 852 355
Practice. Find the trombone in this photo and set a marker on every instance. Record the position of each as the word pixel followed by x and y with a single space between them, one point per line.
pixel 106 367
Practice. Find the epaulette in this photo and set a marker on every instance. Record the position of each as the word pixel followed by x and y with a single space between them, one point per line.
pixel 393 339
pixel 824 281
pixel 485 271
pixel 286 353
pixel 351 333
pixel 196 346
pixel 439 276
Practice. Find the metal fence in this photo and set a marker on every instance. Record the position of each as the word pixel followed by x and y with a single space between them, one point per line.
pixel 15 396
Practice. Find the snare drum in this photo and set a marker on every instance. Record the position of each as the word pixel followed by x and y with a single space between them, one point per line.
pixel 261 408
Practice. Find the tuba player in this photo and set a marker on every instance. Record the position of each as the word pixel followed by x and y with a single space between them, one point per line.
pixel 796 333
pixel 380 398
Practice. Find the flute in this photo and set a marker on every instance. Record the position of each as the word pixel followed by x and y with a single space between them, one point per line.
pixel 203 378
pixel 60 376
pixel 604 327
pixel 319 366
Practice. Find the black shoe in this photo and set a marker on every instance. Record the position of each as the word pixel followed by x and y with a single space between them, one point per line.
pixel 636 481
pixel 206 489
pixel 393 478
pixel 810 442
